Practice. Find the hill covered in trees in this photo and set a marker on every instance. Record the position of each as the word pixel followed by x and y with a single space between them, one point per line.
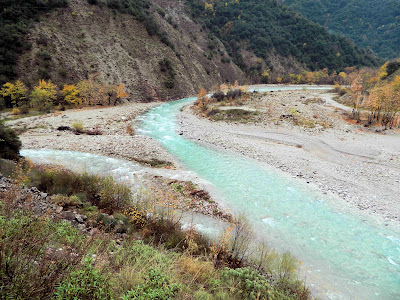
pixel 370 23
pixel 164 49
pixel 265 26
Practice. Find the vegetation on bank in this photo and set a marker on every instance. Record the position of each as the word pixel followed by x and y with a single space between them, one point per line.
pixel 374 95
pixel 370 23
pixel 46 95
pixel 135 248
pixel 267 27
pixel 10 144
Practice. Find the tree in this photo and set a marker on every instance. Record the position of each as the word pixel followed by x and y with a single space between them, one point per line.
pixel 43 95
pixel 202 100
pixel 16 92
pixel 384 103
pixel 95 93
pixel 9 143
pixel 71 95
pixel 357 96
pixel 121 93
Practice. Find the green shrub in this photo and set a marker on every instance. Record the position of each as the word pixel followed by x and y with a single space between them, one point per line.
pixel 102 192
pixel 44 55
pixel 245 283
pixel 66 201
pixel 9 143
pixel 169 83
pixel 161 12
pixel 156 286
pixel 114 196
pixel 78 127
pixel 84 283
pixel 30 266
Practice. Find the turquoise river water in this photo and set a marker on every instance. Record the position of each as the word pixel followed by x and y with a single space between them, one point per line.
pixel 345 254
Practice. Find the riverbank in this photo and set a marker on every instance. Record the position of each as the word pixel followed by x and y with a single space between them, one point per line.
pixel 340 159
pixel 116 126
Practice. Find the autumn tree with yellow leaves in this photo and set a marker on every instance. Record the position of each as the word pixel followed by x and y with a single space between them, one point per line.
pixel 94 93
pixel 71 95
pixel 384 103
pixel 16 92
pixel 43 95
pixel 357 96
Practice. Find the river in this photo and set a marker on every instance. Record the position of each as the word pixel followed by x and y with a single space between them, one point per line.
pixel 345 254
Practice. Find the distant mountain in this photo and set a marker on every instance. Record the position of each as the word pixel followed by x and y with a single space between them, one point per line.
pixel 370 23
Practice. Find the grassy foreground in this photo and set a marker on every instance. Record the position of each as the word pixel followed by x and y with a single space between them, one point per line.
pixel 123 247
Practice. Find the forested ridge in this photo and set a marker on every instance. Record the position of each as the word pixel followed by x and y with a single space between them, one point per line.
pixel 370 23
pixel 265 25
pixel 268 31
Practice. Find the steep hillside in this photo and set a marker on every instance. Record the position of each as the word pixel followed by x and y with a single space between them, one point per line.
pixel 163 49
pixel 84 40
pixel 16 16
pixel 264 27
pixel 370 23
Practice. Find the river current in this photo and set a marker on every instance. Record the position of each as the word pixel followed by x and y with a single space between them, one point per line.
pixel 345 254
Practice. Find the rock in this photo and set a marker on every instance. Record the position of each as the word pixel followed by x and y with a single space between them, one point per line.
pixel 107 221
pixel 68 215
pixel 63 128
pixel 59 209
pixel 34 190
pixel 79 218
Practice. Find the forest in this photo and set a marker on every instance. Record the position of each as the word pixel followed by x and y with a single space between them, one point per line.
pixel 369 23
pixel 263 26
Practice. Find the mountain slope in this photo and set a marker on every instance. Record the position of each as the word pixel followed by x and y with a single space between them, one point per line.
pixel 84 40
pixel 265 26
pixel 370 23
pixel 163 49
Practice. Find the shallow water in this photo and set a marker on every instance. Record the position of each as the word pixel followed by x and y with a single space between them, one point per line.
pixel 348 254
pixel 345 254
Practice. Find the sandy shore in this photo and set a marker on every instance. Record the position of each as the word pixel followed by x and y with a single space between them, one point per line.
pixel 343 160
pixel 116 141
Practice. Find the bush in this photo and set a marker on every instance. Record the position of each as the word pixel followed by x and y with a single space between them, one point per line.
pixel 16 111
pixel 219 95
pixel 29 266
pixel 78 127
pixel 245 283
pixel 102 192
pixel 66 201
pixel 44 55
pixel 24 110
pixel 169 83
pixel 161 12
pixel 84 283
pixel 157 286
pixel 9 143
pixel 233 94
